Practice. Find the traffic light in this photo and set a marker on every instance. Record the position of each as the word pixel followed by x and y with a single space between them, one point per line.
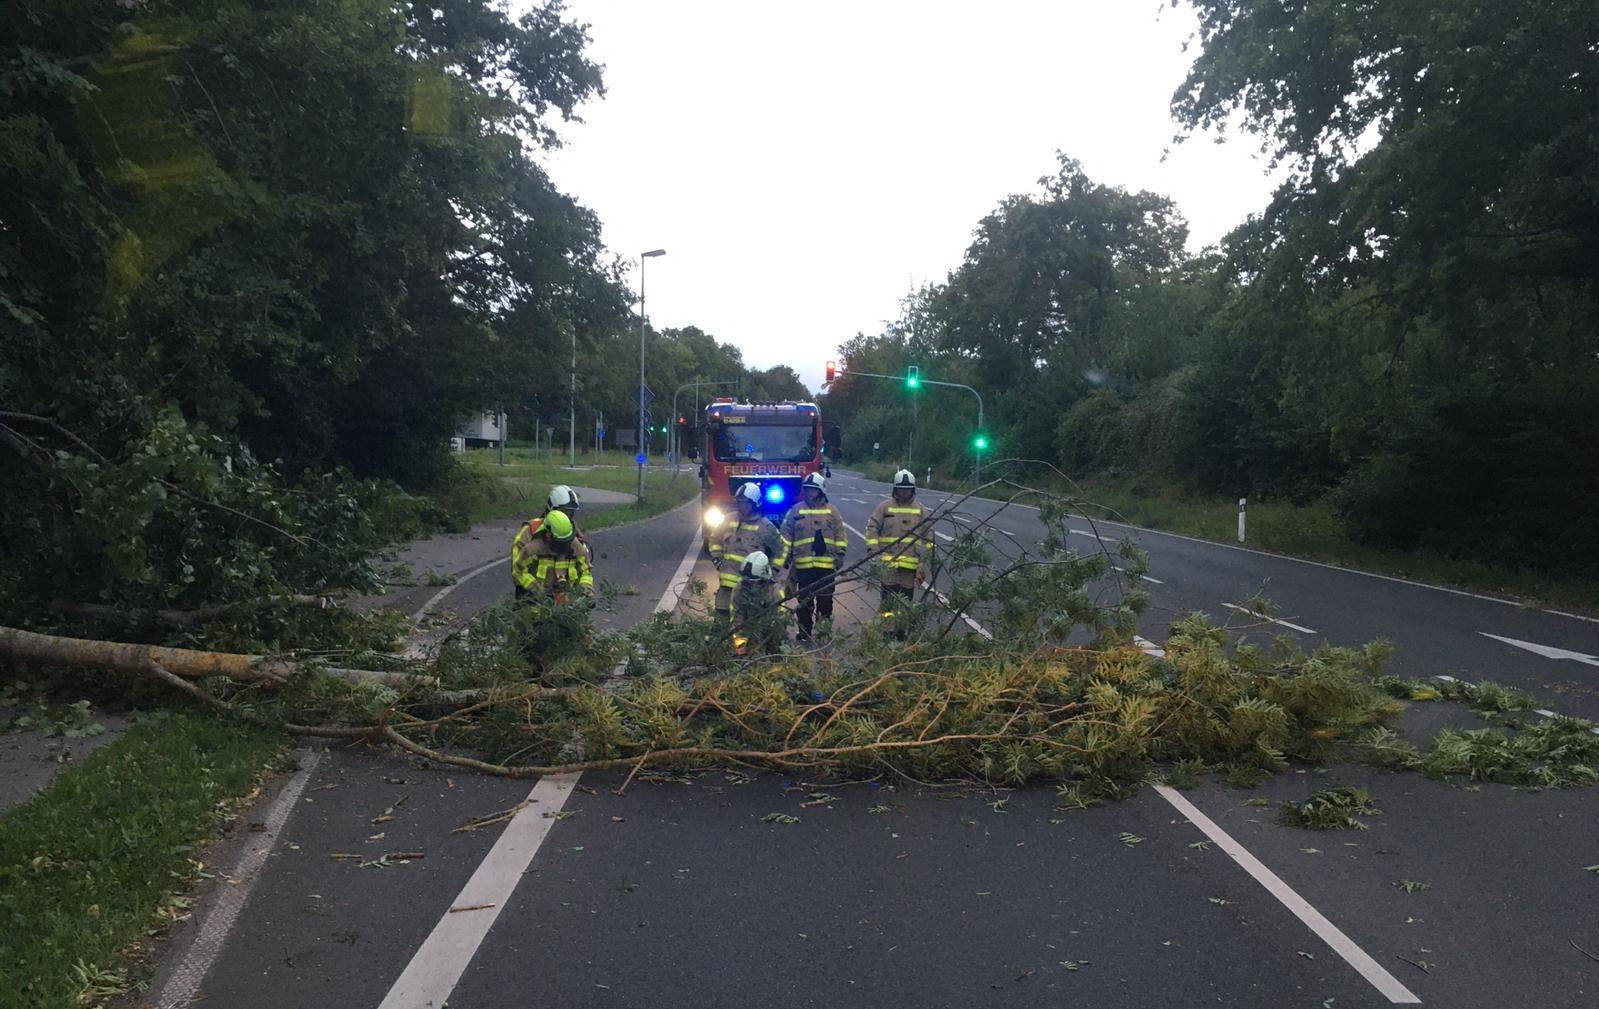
pixel 832 372
pixel 979 441
pixel 913 377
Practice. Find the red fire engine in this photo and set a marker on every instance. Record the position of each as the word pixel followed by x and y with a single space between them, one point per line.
pixel 774 445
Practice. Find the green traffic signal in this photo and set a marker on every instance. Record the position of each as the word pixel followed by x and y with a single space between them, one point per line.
pixel 913 377
pixel 980 442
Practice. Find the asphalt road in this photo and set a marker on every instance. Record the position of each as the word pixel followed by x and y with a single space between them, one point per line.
pixel 682 893
pixel 1434 630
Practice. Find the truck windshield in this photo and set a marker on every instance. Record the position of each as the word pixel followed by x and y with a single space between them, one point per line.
pixel 758 443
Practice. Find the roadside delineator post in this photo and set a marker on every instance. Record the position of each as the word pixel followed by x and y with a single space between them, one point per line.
pixel 1240 520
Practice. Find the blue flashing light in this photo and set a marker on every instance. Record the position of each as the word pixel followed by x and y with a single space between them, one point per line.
pixel 774 493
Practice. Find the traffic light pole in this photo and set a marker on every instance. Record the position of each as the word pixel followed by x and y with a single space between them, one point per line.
pixel 674 446
pixel 948 385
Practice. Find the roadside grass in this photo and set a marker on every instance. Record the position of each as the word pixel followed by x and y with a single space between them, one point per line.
pixel 484 490
pixel 102 856
pixel 1313 531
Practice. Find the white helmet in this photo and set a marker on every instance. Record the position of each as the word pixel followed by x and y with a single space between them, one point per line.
pixel 564 497
pixel 904 478
pixel 750 492
pixel 757 566
pixel 816 480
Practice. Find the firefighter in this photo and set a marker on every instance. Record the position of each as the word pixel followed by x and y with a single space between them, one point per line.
pixel 902 530
pixel 564 499
pixel 813 544
pixel 744 532
pixel 550 562
pixel 756 612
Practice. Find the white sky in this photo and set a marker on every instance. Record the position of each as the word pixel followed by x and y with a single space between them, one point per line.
pixel 804 164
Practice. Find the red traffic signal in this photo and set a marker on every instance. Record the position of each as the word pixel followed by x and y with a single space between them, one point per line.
pixel 832 370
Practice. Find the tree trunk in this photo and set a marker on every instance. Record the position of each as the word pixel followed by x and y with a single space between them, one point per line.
pixel 49 649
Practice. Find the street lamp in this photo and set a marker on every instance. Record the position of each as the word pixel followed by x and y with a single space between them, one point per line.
pixel 642 452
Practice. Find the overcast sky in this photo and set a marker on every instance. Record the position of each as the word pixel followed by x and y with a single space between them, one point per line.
pixel 805 164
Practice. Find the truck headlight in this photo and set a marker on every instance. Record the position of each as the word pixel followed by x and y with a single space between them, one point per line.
pixel 713 516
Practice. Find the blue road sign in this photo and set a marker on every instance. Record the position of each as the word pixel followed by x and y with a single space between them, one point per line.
pixel 640 458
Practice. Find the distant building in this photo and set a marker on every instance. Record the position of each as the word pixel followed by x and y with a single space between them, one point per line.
pixel 483 429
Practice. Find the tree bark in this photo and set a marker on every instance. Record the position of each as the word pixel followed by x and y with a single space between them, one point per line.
pixel 188 663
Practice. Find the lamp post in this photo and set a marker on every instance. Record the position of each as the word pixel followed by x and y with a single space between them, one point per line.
pixel 643 453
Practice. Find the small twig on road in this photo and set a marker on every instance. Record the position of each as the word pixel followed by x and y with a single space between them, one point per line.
pixel 1584 952
pixel 1420 966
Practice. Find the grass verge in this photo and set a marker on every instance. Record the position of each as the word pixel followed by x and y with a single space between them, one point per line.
pixel 103 855
pixel 484 490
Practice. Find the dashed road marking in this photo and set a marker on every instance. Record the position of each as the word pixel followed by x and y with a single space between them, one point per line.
pixel 437 966
pixel 942 536
pixel 1270 620
pixel 1094 535
pixel 1547 651
pixel 1148 647
pixel 1152 581
pixel 1359 959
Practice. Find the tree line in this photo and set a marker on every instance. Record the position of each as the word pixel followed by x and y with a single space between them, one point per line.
pixel 1410 328
pixel 257 261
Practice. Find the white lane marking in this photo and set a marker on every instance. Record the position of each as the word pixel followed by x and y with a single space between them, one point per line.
pixel 438 596
pixel 685 567
pixel 1271 620
pixel 1547 651
pixel 1536 711
pixel 184 982
pixel 433 972
pixel 1152 581
pixel 942 536
pixel 1093 535
pixel 1148 647
pixel 1329 933
pixel 1323 564
pixel 437 966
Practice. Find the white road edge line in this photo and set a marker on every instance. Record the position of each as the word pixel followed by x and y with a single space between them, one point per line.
pixel 437 966
pixel 183 984
pixel 438 596
pixel 1273 620
pixel 1359 959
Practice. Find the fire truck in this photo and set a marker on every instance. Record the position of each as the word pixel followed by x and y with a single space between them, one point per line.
pixel 773 445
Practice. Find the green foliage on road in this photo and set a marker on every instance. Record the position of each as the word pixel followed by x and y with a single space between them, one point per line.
pixel 104 855
pixel 1403 338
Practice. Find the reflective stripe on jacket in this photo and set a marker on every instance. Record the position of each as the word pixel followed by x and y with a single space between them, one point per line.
pixel 735 540
pixel 813 537
pixel 904 534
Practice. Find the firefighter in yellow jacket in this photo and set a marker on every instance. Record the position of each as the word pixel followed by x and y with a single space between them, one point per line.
pixel 813 544
pixel 550 562
pixel 902 529
pixel 744 532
